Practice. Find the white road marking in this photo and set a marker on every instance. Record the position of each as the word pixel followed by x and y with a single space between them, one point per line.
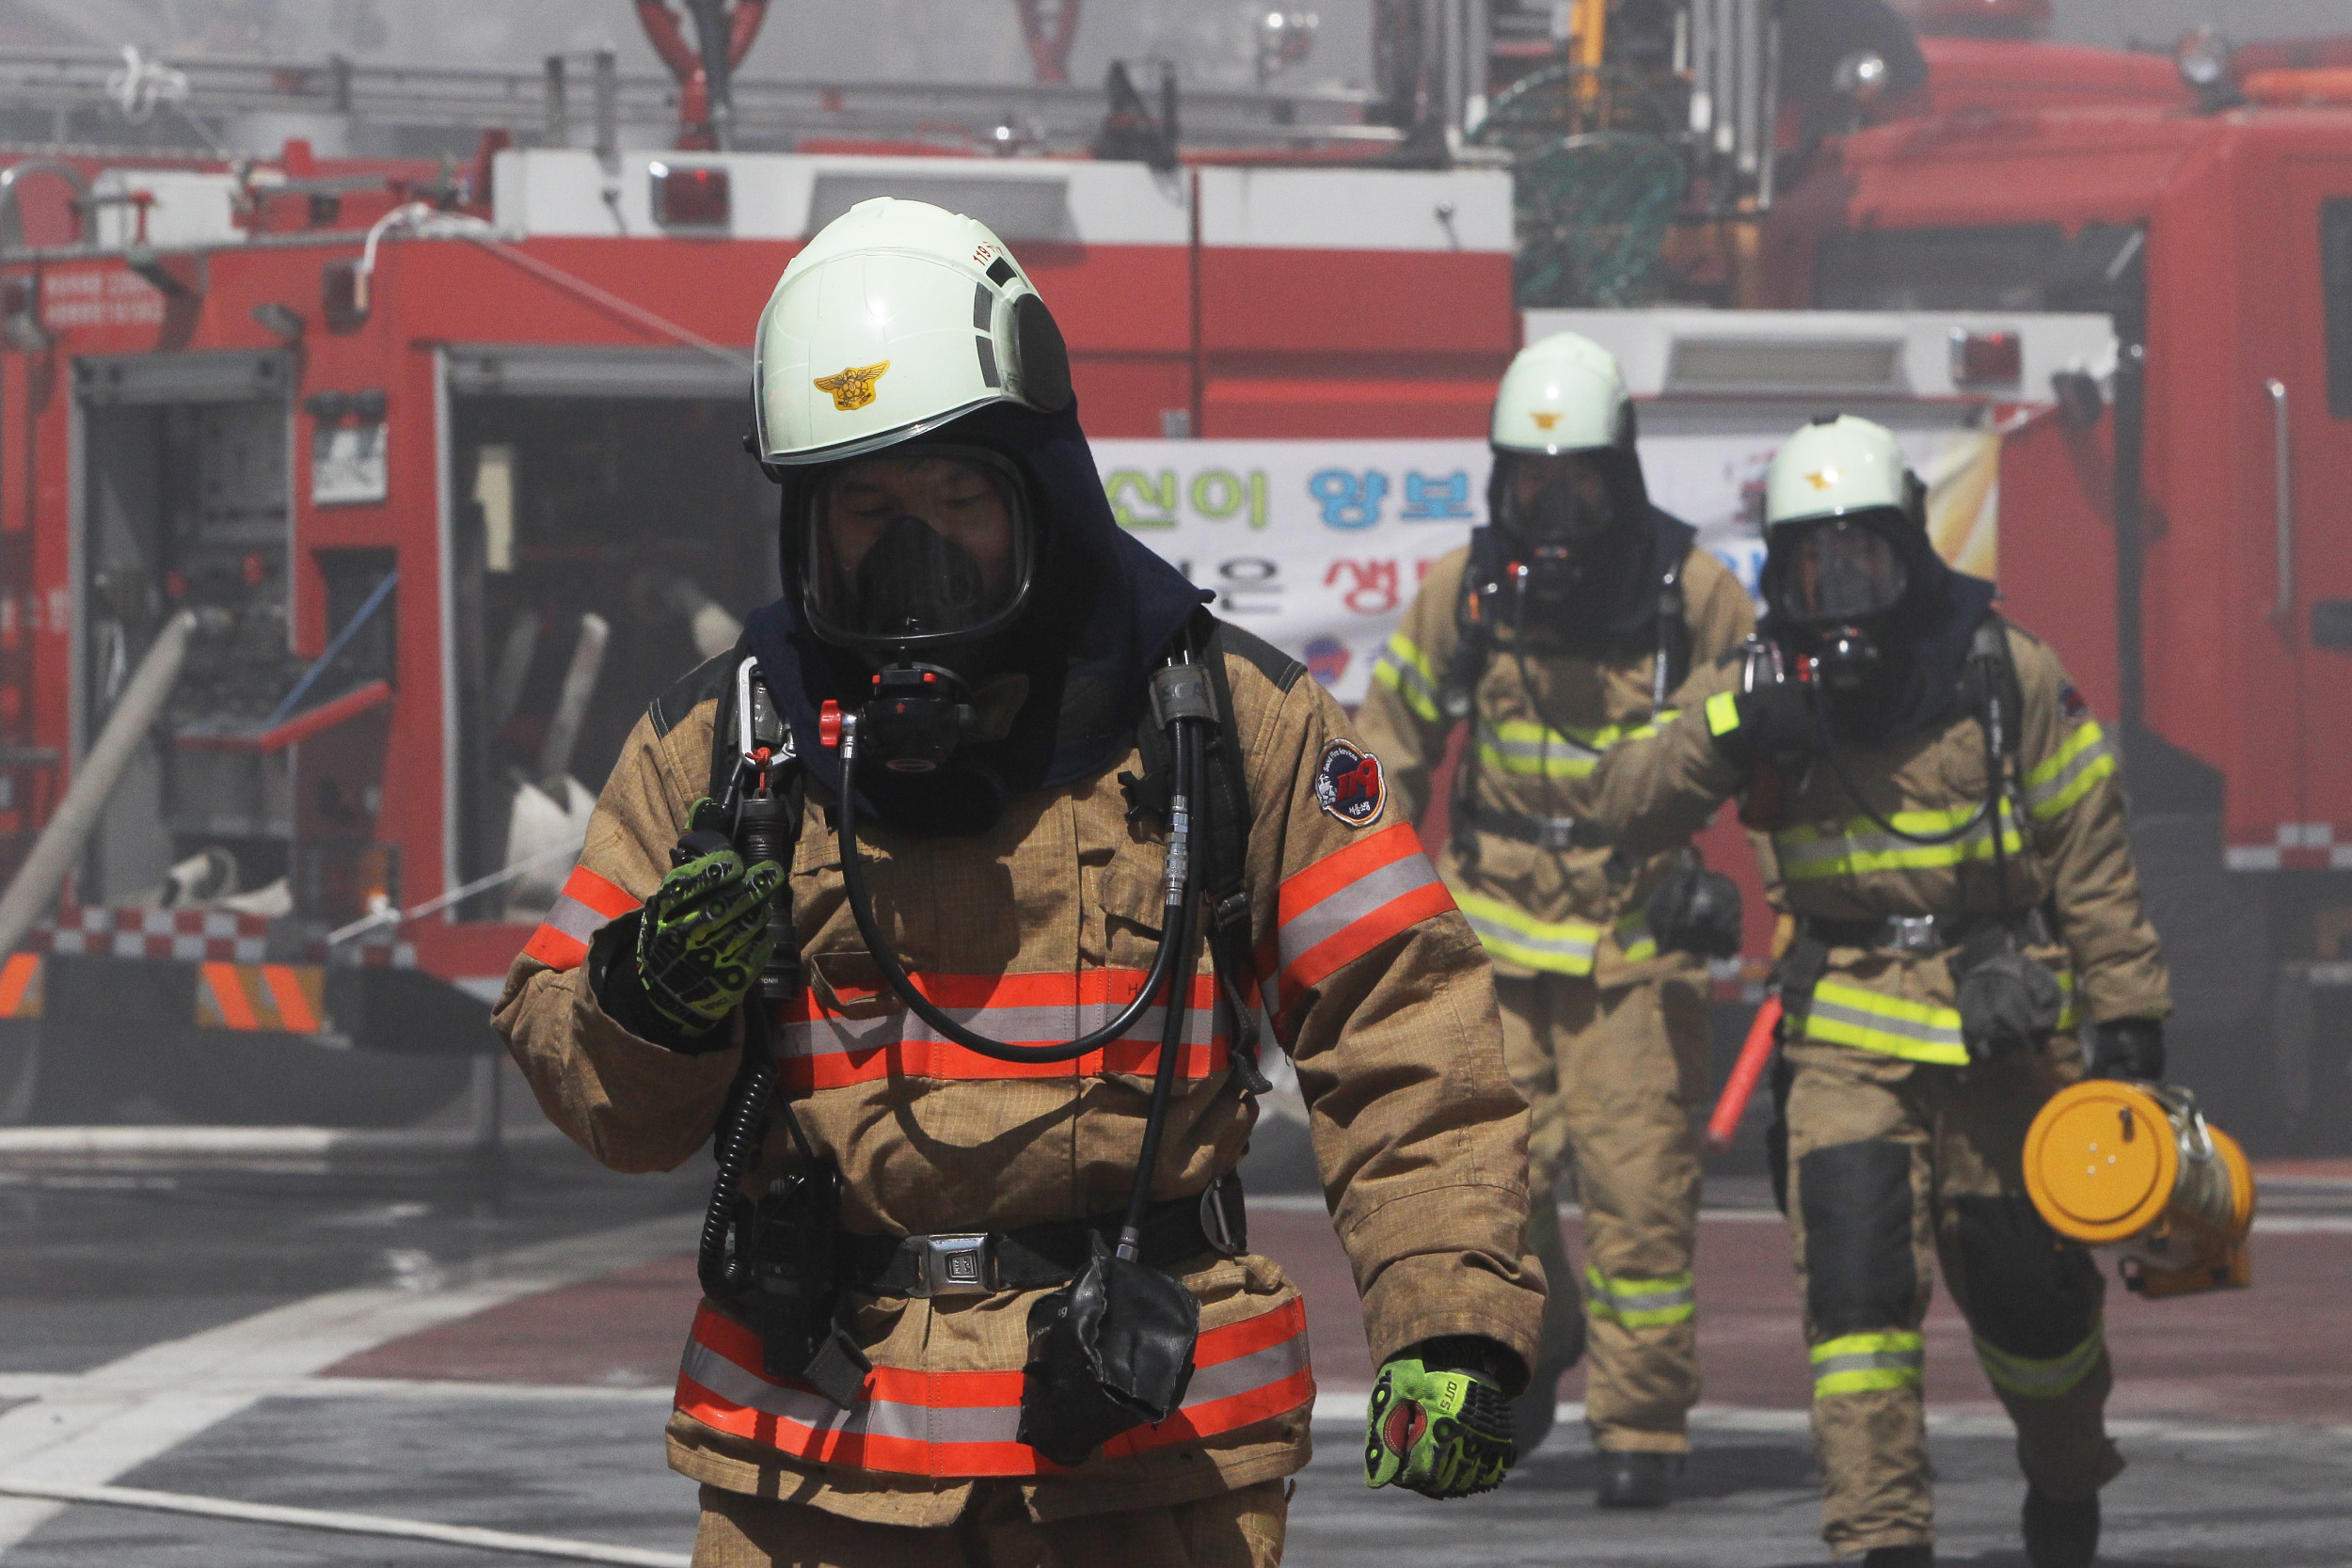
pixel 88 1429
pixel 1346 1407
pixel 349 1524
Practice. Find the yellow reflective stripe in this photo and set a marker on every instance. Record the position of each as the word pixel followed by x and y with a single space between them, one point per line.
pixel 2070 774
pixel 1534 750
pixel 2086 735
pixel 2040 1378
pixel 1723 713
pixel 1404 670
pixel 1871 1021
pixel 2070 1013
pixel 1561 758
pixel 1860 1363
pixel 1640 1303
pixel 1634 940
pixel 1561 947
pixel 1859 847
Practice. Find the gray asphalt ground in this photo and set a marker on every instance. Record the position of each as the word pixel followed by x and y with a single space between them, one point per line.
pixel 405 1348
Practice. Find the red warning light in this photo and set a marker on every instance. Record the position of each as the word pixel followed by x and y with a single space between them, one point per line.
pixel 697 197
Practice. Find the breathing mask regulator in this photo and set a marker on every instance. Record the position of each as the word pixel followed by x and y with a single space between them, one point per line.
pixel 916 553
pixel 915 560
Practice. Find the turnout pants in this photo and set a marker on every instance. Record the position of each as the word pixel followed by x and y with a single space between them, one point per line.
pixel 1232 1529
pixel 1612 1078
pixel 1892 1165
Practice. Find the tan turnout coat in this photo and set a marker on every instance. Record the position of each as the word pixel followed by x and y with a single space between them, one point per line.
pixel 2063 836
pixel 1034 931
pixel 1538 910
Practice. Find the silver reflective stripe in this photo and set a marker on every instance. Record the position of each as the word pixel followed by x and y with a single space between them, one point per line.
pixel 575 919
pixel 1579 948
pixel 2037 1378
pixel 1649 1301
pixel 873 1418
pixel 1534 748
pixel 1318 923
pixel 1869 1361
pixel 2051 789
pixel 1882 1023
pixel 1409 681
pixel 1243 1373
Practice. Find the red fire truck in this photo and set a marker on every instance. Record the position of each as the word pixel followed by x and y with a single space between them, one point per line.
pixel 441 480
pixel 2179 523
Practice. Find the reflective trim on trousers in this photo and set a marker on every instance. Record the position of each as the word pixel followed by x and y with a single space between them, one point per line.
pixel 911 1421
pixel 2068 774
pixel 1864 1363
pixel 587 905
pixel 1841 1014
pixel 2040 1378
pixel 1404 670
pixel 1640 1303
pixel 820 1047
pixel 1858 849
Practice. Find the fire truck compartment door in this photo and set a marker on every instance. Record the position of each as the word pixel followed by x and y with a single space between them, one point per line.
pixel 2310 426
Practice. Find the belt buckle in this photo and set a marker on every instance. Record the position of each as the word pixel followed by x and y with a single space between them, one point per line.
pixel 961 1264
pixel 1913 933
pixel 1556 834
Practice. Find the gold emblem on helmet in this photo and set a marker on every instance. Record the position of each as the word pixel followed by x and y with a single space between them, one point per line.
pixel 852 388
pixel 1821 479
pixel 1544 421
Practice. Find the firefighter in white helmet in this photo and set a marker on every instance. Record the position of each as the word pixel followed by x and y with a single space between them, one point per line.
pixel 1561 627
pixel 1949 827
pixel 944 904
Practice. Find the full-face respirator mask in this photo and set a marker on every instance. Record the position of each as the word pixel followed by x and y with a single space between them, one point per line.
pixel 915 560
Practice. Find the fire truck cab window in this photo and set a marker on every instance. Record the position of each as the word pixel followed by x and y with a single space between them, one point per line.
pixel 1994 268
pixel 2335 275
pixel 603 547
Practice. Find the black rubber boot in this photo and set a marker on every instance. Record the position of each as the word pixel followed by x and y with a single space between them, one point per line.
pixel 2060 1534
pixel 1636 1478
pixel 1900 1557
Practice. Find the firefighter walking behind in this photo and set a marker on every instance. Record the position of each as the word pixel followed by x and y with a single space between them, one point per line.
pixel 1559 629
pixel 1949 827
pixel 936 909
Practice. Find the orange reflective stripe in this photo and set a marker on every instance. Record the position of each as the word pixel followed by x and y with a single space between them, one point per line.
pixel 824 1046
pixel 587 904
pixel 16 981
pixel 1350 902
pixel 295 1012
pixel 227 989
pixel 966 1423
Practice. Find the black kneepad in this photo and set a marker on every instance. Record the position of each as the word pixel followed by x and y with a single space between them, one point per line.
pixel 1859 1270
pixel 2025 1291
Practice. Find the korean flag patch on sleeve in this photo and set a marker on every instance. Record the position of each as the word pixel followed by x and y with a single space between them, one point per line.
pixel 1350 784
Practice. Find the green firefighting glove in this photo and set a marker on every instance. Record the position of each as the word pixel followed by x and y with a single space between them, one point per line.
pixel 702 938
pixel 1440 1434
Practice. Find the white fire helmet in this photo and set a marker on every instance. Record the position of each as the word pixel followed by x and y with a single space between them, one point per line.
pixel 1564 393
pixel 1838 466
pixel 897 318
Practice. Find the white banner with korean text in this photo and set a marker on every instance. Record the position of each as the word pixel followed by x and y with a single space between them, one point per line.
pixel 1318 547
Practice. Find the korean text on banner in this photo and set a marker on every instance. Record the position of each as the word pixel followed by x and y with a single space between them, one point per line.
pixel 1318 547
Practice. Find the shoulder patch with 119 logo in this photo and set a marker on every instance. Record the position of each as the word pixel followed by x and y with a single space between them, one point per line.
pixel 1349 784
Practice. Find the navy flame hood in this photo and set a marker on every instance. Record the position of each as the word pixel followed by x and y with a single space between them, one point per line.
pixel 1102 611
